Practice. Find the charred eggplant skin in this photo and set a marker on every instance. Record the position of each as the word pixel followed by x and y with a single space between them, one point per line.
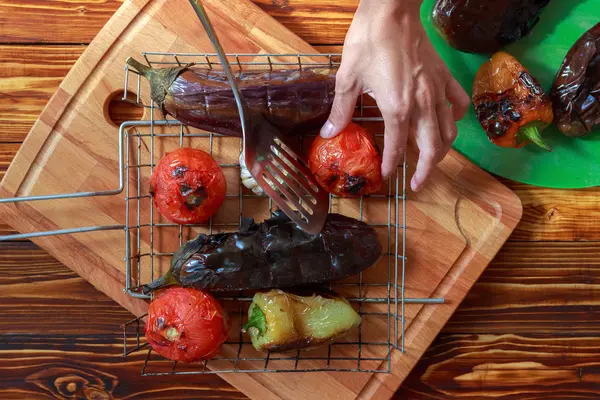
pixel 576 89
pixel 485 26
pixel 282 321
pixel 273 254
pixel 296 101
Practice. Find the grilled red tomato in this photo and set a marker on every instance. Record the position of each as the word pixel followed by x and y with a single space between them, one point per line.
pixel 348 165
pixel 188 186
pixel 186 324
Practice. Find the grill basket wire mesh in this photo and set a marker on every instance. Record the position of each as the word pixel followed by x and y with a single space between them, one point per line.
pixel 151 241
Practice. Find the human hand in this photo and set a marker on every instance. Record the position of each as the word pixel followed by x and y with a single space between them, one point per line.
pixel 388 55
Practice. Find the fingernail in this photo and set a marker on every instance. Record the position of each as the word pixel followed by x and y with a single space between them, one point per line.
pixel 327 130
pixel 414 184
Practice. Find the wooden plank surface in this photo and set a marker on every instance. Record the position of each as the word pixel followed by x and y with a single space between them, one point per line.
pixel 530 278
pixel 507 367
pixel 318 22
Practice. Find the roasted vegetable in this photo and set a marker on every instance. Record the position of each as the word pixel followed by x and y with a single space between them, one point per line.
pixel 510 104
pixel 186 324
pixel 576 90
pixel 188 186
pixel 485 26
pixel 274 253
pixel 280 321
pixel 348 165
pixel 295 101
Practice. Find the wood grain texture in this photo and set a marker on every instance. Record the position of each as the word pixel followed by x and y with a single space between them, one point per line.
pixel 29 76
pixel 64 21
pixel 557 214
pixel 517 293
pixel 82 348
pixel 317 22
pixel 61 338
pixel 60 301
pixel 507 367
pixel 92 367
pixel 535 288
pixel 462 207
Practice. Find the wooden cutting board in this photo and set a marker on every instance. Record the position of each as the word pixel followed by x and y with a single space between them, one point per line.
pixel 455 226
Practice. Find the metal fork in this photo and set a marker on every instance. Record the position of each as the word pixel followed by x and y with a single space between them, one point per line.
pixel 281 173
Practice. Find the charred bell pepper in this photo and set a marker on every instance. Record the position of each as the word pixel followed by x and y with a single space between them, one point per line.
pixel 485 26
pixel 274 253
pixel 296 101
pixel 576 90
pixel 510 104
pixel 280 321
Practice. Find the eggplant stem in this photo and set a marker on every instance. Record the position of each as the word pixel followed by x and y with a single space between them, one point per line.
pixel 531 132
pixel 141 68
pixel 163 281
pixel 160 79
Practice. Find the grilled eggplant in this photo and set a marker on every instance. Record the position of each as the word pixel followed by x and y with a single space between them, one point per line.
pixel 485 26
pixel 280 321
pixel 296 101
pixel 273 254
pixel 576 89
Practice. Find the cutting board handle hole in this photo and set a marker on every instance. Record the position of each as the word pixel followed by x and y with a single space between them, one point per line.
pixel 117 110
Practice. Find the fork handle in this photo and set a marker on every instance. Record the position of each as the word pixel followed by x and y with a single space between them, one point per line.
pixel 212 35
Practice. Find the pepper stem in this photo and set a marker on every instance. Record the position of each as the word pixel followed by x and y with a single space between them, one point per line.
pixel 531 132
pixel 256 320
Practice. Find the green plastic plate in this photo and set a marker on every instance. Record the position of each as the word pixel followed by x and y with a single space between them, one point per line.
pixel 574 162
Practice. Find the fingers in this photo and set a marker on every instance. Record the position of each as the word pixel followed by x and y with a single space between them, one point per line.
pixel 458 98
pixel 347 91
pixel 448 129
pixel 428 136
pixel 395 111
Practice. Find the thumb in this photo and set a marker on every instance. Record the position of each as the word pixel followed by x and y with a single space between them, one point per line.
pixel 342 108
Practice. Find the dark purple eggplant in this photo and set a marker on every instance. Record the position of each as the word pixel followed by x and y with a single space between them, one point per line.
pixel 485 26
pixel 575 92
pixel 273 254
pixel 295 101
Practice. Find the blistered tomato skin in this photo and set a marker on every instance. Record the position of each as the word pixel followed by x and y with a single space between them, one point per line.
pixel 576 90
pixel 187 325
pixel 188 186
pixel 348 165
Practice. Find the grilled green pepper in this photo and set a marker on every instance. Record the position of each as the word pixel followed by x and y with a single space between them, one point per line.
pixel 280 321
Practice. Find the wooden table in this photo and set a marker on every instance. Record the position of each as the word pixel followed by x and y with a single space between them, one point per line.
pixel 528 329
